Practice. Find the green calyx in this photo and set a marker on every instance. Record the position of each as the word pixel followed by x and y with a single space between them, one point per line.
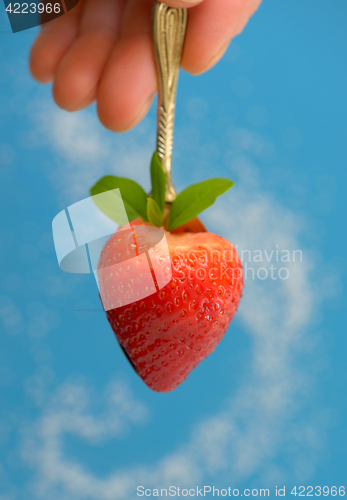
pixel 187 205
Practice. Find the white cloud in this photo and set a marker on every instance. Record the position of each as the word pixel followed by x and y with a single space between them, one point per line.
pixel 260 420
pixel 71 411
pixel 84 151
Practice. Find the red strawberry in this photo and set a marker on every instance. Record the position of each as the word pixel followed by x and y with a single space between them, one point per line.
pixel 169 302
pixel 168 333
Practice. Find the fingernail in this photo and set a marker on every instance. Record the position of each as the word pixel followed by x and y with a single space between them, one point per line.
pixel 187 3
pixel 218 55
pixel 181 3
pixel 144 110
pixel 87 101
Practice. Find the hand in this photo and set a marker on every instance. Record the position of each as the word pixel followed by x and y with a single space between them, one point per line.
pixel 102 50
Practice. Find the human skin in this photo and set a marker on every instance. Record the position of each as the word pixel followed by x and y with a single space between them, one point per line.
pixel 102 50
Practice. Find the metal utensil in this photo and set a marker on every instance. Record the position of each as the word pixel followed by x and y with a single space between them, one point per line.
pixel 169 27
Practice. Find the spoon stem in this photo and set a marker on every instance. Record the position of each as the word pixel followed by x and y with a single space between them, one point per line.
pixel 169 27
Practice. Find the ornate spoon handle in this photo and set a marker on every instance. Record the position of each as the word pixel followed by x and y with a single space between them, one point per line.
pixel 169 26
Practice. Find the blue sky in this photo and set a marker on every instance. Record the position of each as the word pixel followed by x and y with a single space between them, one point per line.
pixel 268 408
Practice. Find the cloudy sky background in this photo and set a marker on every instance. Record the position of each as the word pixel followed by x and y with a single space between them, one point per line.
pixel 268 407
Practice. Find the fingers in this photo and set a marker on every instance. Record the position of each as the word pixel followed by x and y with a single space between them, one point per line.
pixel 103 50
pixel 211 26
pixel 77 78
pixel 52 44
pixel 128 83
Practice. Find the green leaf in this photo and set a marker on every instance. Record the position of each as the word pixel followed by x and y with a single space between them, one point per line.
pixel 158 179
pixel 133 196
pixel 196 198
pixel 154 213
